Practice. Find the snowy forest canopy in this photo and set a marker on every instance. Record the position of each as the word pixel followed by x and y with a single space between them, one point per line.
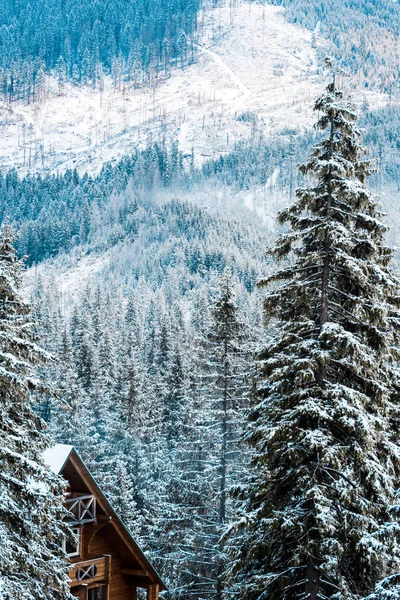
pixel 148 349
pixel 58 212
pixel 78 41
pixel 148 307
pixel 136 42
pixel 361 35
pixel 155 316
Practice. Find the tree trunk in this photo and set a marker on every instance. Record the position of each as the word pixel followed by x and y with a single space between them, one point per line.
pixel 224 431
pixel 312 584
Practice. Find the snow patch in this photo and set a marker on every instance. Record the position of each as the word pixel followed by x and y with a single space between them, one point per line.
pixel 249 61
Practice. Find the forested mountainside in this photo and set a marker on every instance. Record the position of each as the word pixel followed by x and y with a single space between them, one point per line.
pixel 185 123
pixel 361 35
pixel 127 304
pixel 234 90
pixel 80 41
pixel 139 333
pixel 58 212
pixel 132 40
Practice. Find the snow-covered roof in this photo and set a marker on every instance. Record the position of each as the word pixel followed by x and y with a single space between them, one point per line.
pixel 57 456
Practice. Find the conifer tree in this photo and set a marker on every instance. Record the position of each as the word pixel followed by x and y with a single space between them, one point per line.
pixel 209 453
pixel 317 516
pixel 227 391
pixel 32 564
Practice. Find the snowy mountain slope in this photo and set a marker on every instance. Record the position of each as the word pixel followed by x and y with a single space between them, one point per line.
pixel 255 75
pixel 177 244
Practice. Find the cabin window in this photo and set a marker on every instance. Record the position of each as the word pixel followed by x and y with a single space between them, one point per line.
pixel 98 593
pixel 72 546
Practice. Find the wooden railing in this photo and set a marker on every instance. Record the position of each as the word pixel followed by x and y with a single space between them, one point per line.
pixel 82 509
pixel 90 571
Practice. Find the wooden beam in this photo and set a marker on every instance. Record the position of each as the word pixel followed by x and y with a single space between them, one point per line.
pixel 108 567
pixel 135 572
pixel 79 586
pixel 152 592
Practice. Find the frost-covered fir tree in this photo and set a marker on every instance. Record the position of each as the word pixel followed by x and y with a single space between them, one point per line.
pixel 32 564
pixel 210 454
pixel 317 516
pixel 227 388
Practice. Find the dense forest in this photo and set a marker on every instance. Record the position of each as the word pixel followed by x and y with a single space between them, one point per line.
pixel 81 42
pixel 153 307
pixel 132 41
pixel 361 35
pixel 58 212
pixel 240 416
pixel 171 266
pixel 162 333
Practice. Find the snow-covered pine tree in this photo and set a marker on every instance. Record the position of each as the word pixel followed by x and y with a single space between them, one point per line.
pixel 32 564
pixel 209 454
pixel 227 392
pixel 69 407
pixel 316 516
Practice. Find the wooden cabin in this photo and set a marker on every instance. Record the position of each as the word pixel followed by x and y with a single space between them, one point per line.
pixel 106 562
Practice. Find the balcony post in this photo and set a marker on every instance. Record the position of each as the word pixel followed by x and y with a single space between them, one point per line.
pixel 108 574
pixel 152 591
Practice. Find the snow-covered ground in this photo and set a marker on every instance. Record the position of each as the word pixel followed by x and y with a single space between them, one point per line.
pixel 67 276
pixel 255 74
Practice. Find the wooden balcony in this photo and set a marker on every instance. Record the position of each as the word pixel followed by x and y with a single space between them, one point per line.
pixel 90 571
pixel 82 510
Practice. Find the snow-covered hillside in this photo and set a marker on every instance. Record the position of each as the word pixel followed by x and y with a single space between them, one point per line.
pixel 255 74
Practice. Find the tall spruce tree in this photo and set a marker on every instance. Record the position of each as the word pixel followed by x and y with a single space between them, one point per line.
pixel 227 390
pixel 210 455
pixel 32 564
pixel 317 514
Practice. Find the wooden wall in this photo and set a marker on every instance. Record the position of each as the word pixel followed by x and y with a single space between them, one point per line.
pixel 96 543
pixel 81 595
